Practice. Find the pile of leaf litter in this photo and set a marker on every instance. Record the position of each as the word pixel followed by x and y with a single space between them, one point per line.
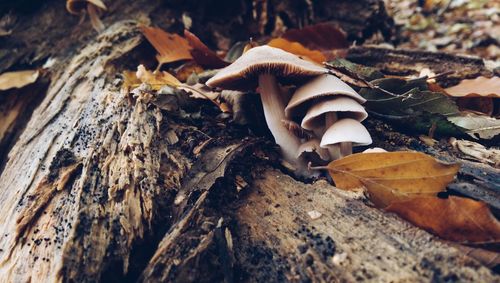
pixel 457 26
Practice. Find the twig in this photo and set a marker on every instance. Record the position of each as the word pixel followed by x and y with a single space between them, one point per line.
pixel 353 77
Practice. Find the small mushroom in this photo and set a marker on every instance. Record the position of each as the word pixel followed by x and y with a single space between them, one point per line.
pixel 319 87
pixel 324 96
pixel 93 8
pixel 324 113
pixel 263 66
pixel 343 135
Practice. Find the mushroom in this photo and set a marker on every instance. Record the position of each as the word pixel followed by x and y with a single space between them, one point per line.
pixel 314 120
pixel 93 7
pixel 343 135
pixel 262 66
pixel 319 87
pixel 324 96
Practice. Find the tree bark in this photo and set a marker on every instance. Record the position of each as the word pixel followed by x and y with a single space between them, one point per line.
pixel 104 185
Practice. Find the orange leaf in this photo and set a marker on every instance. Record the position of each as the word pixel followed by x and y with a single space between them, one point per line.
pixel 156 79
pixel 322 36
pixel 455 219
pixel 298 49
pixel 171 47
pixel 130 80
pixel 391 176
pixel 202 54
pixel 480 86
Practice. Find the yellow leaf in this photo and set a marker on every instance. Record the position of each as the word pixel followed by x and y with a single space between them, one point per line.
pixel 390 176
pixel 171 47
pixel 156 79
pixel 130 80
pixel 455 219
pixel 17 79
pixel 298 49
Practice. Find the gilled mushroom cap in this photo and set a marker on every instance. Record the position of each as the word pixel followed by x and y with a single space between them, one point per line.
pixel 312 146
pixel 352 108
pixel 77 7
pixel 318 87
pixel 242 73
pixel 346 130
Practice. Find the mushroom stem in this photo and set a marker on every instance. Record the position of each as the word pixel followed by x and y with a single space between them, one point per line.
pixel 274 111
pixel 334 149
pixel 345 149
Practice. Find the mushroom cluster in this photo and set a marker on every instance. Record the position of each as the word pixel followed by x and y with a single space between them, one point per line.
pixel 332 111
pixel 325 105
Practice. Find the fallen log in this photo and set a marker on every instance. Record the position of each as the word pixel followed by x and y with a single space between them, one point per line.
pixel 103 185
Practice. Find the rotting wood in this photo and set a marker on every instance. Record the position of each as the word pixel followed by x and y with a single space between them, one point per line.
pixel 96 216
pixel 411 62
pixel 378 247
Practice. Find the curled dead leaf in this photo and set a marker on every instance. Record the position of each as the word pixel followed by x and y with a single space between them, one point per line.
pixel 326 38
pixel 313 36
pixel 455 218
pixel 202 54
pixel 477 151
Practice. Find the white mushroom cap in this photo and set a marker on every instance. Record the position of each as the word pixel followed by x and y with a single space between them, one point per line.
pixel 346 130
pixel 323 85
pixel 313 118
pixel 313 146
pixel 242 73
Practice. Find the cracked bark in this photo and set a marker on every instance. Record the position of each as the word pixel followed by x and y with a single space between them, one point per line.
pixel 92 190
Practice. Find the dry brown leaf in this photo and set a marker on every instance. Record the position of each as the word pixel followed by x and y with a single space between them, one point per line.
pixel 18 79
pixel 477 151
pixel 202 54
pixel 171 47
pixel 480 86
pixel 313 37
pixel 390 176
pixel 480 104
pixel 298 49
pixel 455 218
pixel 156 79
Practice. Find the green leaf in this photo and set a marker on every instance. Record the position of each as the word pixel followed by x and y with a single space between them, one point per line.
pixel 413 106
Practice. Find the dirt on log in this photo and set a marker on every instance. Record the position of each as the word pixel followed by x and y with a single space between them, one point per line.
pixel 99 184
